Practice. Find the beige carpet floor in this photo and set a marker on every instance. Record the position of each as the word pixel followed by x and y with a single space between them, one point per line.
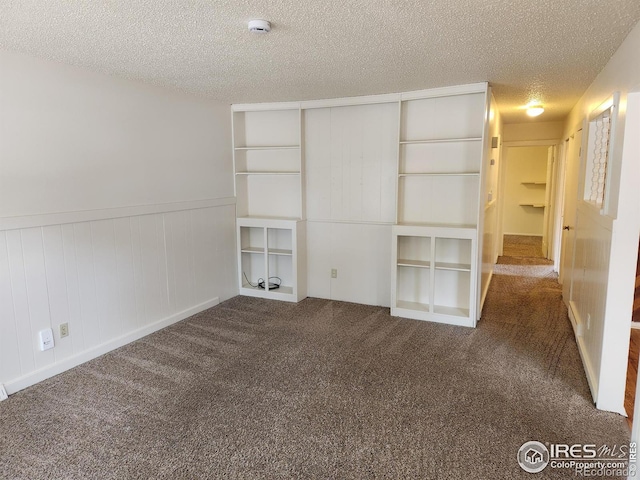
pixel 320 390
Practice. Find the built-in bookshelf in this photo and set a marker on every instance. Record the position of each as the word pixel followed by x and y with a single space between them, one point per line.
pixel 268 167
pixel 440 169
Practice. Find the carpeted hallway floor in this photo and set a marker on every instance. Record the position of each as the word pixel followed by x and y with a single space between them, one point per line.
pixel 321 389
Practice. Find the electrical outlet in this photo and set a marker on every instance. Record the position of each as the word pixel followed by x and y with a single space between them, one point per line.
pixel 64 330
pixel 334 273
pixel 3 393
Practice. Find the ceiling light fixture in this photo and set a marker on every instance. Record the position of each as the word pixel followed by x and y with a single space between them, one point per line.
pixel 259 26
pixel 535 110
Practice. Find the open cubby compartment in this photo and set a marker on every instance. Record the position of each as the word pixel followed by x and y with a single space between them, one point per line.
pixel 279 241
pixel 414 251
pixel 453 254
pixel 412 288
pixel 451 117
pixel 452 292
pixel 443 200
pixel 252 269
pixel 457 157
pixel 284 160
pixel 268 196
pixel 252 239
pixel 266 128
pixel 281 271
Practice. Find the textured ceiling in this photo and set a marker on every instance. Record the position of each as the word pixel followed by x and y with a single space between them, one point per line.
pixel 550 50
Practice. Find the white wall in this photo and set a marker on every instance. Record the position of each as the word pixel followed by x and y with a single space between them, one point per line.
pixel 351 156
pixel 607 245
pixel 490 232
pixel 116 212
pixel 522 165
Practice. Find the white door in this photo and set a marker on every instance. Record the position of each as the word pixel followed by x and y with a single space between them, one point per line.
pixel 569 213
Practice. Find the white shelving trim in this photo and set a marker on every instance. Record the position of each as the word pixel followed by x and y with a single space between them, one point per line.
pixel 252 250
pixel 268 173
pixel 440 174
pixel 452 311
pixel 458 267
pixel 421 307
pixel 270 147
pixel 441 140
pixel 280 251
pixel 403 262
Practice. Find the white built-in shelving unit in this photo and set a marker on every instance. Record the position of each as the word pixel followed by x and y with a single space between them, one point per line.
pixel 272 249
pixel 441 140
pixel 268 164
pixel 435 239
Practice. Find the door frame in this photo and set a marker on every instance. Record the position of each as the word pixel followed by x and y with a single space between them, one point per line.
pixel 502 181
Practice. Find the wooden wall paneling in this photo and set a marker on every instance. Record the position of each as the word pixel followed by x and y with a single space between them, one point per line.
pixel 155 285
pixel 138 271
pixel 126 284
pixel 57 288
pixel 106 278
pixel 76 323
pixel 318 163
pixel 178 259
pixel 20 301
pixel 86 282
pixel 37 294
pixel 319 259
pixel 10 355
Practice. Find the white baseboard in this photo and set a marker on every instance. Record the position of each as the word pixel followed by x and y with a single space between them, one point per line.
pixel 94 352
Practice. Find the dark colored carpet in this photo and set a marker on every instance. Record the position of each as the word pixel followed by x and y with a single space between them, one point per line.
pixel 320 390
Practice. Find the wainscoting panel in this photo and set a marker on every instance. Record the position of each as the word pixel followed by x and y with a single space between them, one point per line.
pixel 111 280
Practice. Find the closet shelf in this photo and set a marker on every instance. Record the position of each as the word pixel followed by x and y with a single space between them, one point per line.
pixel 534 205
pixel 533 183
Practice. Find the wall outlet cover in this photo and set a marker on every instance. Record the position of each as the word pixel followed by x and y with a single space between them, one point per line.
pixel 64 330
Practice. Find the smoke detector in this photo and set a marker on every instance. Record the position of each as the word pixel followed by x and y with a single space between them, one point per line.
pixel 259 26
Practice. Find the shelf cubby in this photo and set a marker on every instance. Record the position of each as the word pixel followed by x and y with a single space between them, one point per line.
pixel 268 248
pixel 434 273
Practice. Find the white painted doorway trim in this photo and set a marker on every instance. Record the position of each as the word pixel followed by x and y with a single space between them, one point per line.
pixel 502 178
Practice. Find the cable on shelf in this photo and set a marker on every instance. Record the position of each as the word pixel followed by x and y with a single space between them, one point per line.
pixel 261 283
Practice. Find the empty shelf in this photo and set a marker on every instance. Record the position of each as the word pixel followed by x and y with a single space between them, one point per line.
pixel 421 307
pixel 459 267
pixel 403 262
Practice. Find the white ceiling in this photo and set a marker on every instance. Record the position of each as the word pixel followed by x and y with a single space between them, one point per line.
pixel 547 49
